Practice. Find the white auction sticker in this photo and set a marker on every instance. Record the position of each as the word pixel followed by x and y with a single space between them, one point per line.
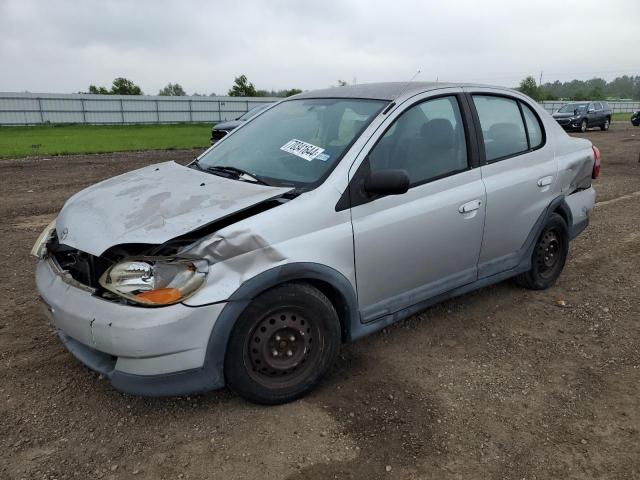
pixel 302 149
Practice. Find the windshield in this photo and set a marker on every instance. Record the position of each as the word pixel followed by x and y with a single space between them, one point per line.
pixel 570 107
pixel 253 111
pixel 297 142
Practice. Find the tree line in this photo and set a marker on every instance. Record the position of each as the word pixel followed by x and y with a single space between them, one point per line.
pixel 620 88
pixel 625 87
pixel 242 87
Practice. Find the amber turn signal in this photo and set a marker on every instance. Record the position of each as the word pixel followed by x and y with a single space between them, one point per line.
pixel 160 296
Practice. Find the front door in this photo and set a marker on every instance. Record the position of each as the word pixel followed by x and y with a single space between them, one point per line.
pixel 426 241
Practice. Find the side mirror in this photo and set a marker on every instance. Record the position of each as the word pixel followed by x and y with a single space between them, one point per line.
pixel 387 182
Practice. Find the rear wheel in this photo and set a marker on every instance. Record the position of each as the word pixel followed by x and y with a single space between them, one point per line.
pixel 549 255
pixel 605 126
pixel 583 125
pixel 282 345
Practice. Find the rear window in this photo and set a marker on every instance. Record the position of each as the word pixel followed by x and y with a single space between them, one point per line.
pixel 534 128
pixel 502 127
pixel 505 130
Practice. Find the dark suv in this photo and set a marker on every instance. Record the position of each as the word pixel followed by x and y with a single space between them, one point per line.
pixel 584 115
pixel 635 118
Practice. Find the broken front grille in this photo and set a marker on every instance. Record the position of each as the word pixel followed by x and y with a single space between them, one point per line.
pixel 83 267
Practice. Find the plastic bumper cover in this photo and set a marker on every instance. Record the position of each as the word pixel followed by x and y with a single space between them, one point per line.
pixel 148 351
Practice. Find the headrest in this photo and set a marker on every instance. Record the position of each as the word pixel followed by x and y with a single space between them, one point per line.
pixel 438 133
pixel 504 131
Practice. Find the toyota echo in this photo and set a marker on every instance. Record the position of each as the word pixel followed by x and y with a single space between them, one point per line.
pixel 322 219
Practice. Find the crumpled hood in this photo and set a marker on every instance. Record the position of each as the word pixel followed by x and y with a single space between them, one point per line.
pixel 152 205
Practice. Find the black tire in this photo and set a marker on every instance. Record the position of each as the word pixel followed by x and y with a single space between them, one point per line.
pixel 548 257
pixel 583 125
pixel 282 345
pixel 605 126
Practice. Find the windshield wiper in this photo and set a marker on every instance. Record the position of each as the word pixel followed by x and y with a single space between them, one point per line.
pixel 236 172
pixel 197 165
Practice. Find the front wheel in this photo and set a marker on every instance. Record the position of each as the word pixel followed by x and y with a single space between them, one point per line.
pixel 282 344
pixel 583 126
pixel 605 126
pixel 549 255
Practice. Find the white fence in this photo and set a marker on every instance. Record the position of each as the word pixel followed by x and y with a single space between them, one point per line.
pixel 40 108
pixel 624 107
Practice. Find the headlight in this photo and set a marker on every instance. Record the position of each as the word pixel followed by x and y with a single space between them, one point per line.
pixel 40 247
pixel 155 281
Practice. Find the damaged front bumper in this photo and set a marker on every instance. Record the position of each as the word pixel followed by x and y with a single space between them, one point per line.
pixel 147 351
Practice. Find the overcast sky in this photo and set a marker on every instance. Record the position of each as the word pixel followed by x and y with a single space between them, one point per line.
pixel 65 45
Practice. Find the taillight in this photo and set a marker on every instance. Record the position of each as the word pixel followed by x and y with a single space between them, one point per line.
pixel 596 165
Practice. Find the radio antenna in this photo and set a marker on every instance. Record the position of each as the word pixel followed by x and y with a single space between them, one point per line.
pixel 404 89
pixel 406 85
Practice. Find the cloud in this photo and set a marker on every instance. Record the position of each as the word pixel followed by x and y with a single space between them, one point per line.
pixel 66 45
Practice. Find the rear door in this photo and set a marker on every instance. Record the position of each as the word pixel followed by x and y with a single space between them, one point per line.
pixel 599 113
pixel 416 245
pixel 592 115
pixel 519 173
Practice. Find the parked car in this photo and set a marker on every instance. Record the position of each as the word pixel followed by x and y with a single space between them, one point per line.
pixel 330 216
pixel 221 129
pixel 584 115
pixel 635 118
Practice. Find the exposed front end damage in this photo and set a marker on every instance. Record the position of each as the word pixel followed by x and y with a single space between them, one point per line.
pixel 103 298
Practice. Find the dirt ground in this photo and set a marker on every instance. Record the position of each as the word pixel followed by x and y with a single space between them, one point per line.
pixel 500 383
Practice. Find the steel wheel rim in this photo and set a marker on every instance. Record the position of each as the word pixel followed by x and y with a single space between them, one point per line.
pixel 548 253
pixel 281 348
pixel 583 126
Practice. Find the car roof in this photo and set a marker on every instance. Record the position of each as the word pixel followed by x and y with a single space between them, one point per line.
pixel 381 91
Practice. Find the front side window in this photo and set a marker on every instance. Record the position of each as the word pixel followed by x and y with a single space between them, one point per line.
pixel 598 106
pixel 297 142
pixel 502 126
pixel 428 141
pixel 572 107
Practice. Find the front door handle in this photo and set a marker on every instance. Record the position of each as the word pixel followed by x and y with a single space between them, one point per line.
pixel 545 181
pixel 470 206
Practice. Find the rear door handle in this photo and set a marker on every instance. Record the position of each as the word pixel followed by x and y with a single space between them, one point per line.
pixel 470 206
pixel 545 181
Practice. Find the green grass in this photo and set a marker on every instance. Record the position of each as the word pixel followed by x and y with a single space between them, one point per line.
pixel 621 116
pixel 67 139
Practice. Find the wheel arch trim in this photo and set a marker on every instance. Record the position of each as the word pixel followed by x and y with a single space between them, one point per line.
pixel 290 272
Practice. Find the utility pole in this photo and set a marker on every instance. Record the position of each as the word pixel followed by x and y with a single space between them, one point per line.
pixel 540 83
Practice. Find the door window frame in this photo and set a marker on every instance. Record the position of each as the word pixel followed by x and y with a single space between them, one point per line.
pixel 480 134
pixel 353 197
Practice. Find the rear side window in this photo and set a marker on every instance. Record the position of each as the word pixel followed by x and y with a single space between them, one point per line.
pixel 502 127
pixel 533 126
